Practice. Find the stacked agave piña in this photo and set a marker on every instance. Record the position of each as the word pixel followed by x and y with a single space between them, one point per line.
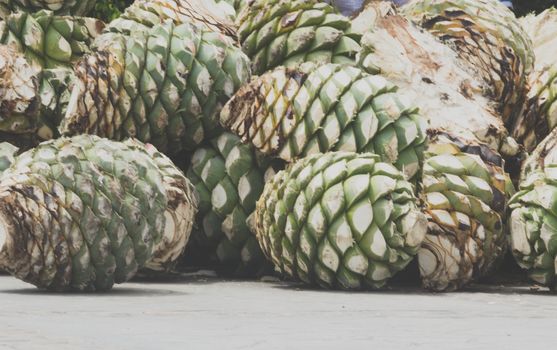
pixel 487 36
pixel 84 213
pixel 145 14
pixel 300 110
pixel 533 220
pixel 539 116
pixel 340 220
pixel 184 63
pixel 463 182
pixel 290 113
pixel 50 44
pixel 49 41
pixel 171 66
pixel 60 7
pixel 288 32
pixel 229 177
pixel 161 83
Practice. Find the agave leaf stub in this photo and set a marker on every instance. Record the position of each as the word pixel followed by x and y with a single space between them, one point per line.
pixel 77 214
pixel 340 220
pixel 291 113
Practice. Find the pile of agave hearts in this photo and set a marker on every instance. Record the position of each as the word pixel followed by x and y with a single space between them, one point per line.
pixel 278 136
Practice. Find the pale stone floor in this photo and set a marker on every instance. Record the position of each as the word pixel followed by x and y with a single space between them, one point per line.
pixel 193 312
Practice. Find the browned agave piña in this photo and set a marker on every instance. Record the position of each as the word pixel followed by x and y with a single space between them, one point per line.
pixel 84 213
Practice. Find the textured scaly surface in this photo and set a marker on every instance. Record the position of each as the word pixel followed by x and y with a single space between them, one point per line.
pixel 464 189
pixel 340 220
pixel 84 213
pixel 291 113
pixel 49 41
pixel 464 186
pixel 229 177
pixel 287 33
pixel 165 86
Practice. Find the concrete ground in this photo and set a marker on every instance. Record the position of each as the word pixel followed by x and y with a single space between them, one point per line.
pixel 206 313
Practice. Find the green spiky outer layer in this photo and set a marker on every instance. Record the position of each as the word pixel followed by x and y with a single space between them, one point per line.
pixel 464 189
pixel 533 217
pixel 49 41
pixel 60 7
pixel 539 115
pixel 291 113
pixel 340 220
pixel 487 35
pixel 145 14
pixel 84 213
pixel 165 86
pixel 181 208
pixel 7 155
pixel 229 177
pixel 286 33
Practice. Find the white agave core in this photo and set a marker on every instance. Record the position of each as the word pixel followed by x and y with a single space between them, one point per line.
pixel 543 31
pixel 448 95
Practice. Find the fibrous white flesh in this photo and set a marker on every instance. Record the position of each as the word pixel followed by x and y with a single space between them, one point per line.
pixel 542 30
pixel 430 76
